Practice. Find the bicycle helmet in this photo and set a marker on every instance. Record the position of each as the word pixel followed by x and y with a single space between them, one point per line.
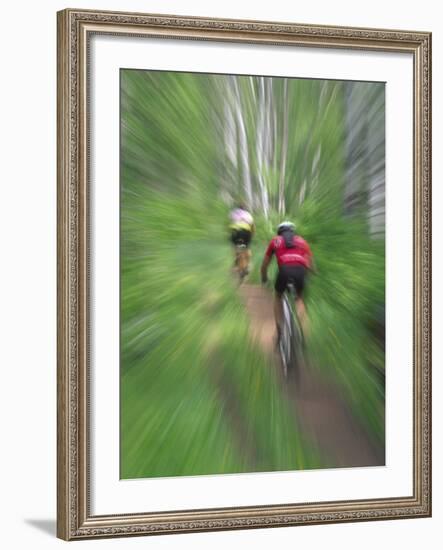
pixel 285 226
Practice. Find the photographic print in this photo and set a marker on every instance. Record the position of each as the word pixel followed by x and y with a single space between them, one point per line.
pixel 230 295
pixel 252 274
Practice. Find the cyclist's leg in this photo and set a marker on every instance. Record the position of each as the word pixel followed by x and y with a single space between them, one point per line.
pixel 235 239
pixel 302 315
pixel 246 253
pixel 299 283
pixel 243 261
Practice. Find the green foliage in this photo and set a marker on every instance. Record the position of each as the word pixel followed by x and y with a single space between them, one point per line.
pixel 343 298
pixel 186 354
pixel 197 396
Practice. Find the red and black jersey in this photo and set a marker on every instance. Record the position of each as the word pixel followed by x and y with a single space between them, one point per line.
pixel 299 254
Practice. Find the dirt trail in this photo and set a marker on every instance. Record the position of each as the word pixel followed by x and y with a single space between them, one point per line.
pixel 321 412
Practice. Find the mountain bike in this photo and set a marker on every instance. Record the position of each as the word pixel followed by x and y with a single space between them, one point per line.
pixel 290 342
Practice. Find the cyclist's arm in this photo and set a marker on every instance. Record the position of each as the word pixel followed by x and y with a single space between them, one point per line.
pixel 265 263
pixel 264 269
pixel 312 265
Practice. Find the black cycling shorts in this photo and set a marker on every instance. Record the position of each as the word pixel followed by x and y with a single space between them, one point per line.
pixel 241 236
pixel 295 274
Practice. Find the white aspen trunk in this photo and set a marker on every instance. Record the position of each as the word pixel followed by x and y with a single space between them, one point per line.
pixel 365 154
pixel 230 178
pixel 243 142
pixel 261 146
pixel 281 193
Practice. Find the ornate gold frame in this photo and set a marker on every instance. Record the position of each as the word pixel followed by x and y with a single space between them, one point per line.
pixel 75 27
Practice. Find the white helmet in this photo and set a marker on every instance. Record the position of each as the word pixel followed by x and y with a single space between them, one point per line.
pixel 284 226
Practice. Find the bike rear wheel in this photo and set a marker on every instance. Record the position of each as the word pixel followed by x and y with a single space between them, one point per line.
pixel 290 342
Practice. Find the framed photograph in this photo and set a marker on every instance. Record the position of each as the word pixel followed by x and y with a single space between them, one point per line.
pixel 244 288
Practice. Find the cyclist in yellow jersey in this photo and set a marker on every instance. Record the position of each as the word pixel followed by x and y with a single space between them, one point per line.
pixel 242 228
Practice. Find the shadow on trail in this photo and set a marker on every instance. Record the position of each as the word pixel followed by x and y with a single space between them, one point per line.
pixel 320 410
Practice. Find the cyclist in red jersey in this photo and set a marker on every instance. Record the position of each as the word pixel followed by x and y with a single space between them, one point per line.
pixel 294 258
